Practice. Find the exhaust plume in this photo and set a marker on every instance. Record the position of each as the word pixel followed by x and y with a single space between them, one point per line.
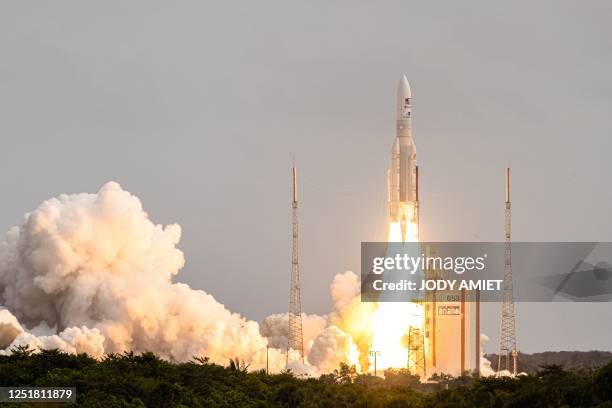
pixel 91 273
pixel 9 328
pixel 332 347
pixel 275 328
pixel 97 271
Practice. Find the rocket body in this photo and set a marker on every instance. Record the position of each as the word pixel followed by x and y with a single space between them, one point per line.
pixel 402 175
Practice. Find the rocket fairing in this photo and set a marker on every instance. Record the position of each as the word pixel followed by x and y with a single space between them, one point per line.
pixel 402 175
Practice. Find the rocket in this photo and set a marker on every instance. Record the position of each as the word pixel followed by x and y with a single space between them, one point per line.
pixel 402 176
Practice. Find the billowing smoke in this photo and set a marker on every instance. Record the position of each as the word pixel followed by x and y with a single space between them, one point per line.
pixel 91 273
pixel 485 365
pixel 342 337
pixel 351 315
pixel 95 270
pixel 9 328
pixel 275 328
pixel 332 347
pixel 73 340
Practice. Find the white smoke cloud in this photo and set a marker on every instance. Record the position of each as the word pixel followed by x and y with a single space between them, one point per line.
pixel 9 328
pixel 332 347
pixel 98 271
pixel 351 315
pixel 74 340
pixel 343 336
pixel 300 369
pixel 485 365
pixel 328 341
pixel 345 288
pixel 91 273
pixel 275 327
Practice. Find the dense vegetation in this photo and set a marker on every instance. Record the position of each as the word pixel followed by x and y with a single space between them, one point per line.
pixel 130 380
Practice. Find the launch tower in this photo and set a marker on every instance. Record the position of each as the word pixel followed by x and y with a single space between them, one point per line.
pixel 507 339
pixel 295 336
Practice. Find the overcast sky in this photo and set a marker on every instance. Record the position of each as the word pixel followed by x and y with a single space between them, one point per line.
pixel 198 108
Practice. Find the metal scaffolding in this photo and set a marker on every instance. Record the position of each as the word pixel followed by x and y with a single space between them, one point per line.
pixel 507 340
pixel 416 352
pixel 295 336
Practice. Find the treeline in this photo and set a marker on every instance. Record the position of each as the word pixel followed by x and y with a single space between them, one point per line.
pixel 579 360
pixel 130 380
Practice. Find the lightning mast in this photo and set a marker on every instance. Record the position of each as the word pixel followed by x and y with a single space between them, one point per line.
pixel 296 339
pixel 507 340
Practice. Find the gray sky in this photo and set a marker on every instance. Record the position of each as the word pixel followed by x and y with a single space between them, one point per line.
pixel 198 108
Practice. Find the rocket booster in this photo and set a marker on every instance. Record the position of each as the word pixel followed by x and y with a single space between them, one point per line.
pixel 403 174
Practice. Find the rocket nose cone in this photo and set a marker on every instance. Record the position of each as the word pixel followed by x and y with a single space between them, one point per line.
pixel 404 100
pixel 403 90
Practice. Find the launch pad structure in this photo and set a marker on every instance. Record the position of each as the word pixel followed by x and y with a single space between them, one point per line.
pixel 416 352
pixel 507 339
pixel 295 336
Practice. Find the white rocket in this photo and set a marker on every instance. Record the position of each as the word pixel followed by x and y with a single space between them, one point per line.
pixel 402 176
